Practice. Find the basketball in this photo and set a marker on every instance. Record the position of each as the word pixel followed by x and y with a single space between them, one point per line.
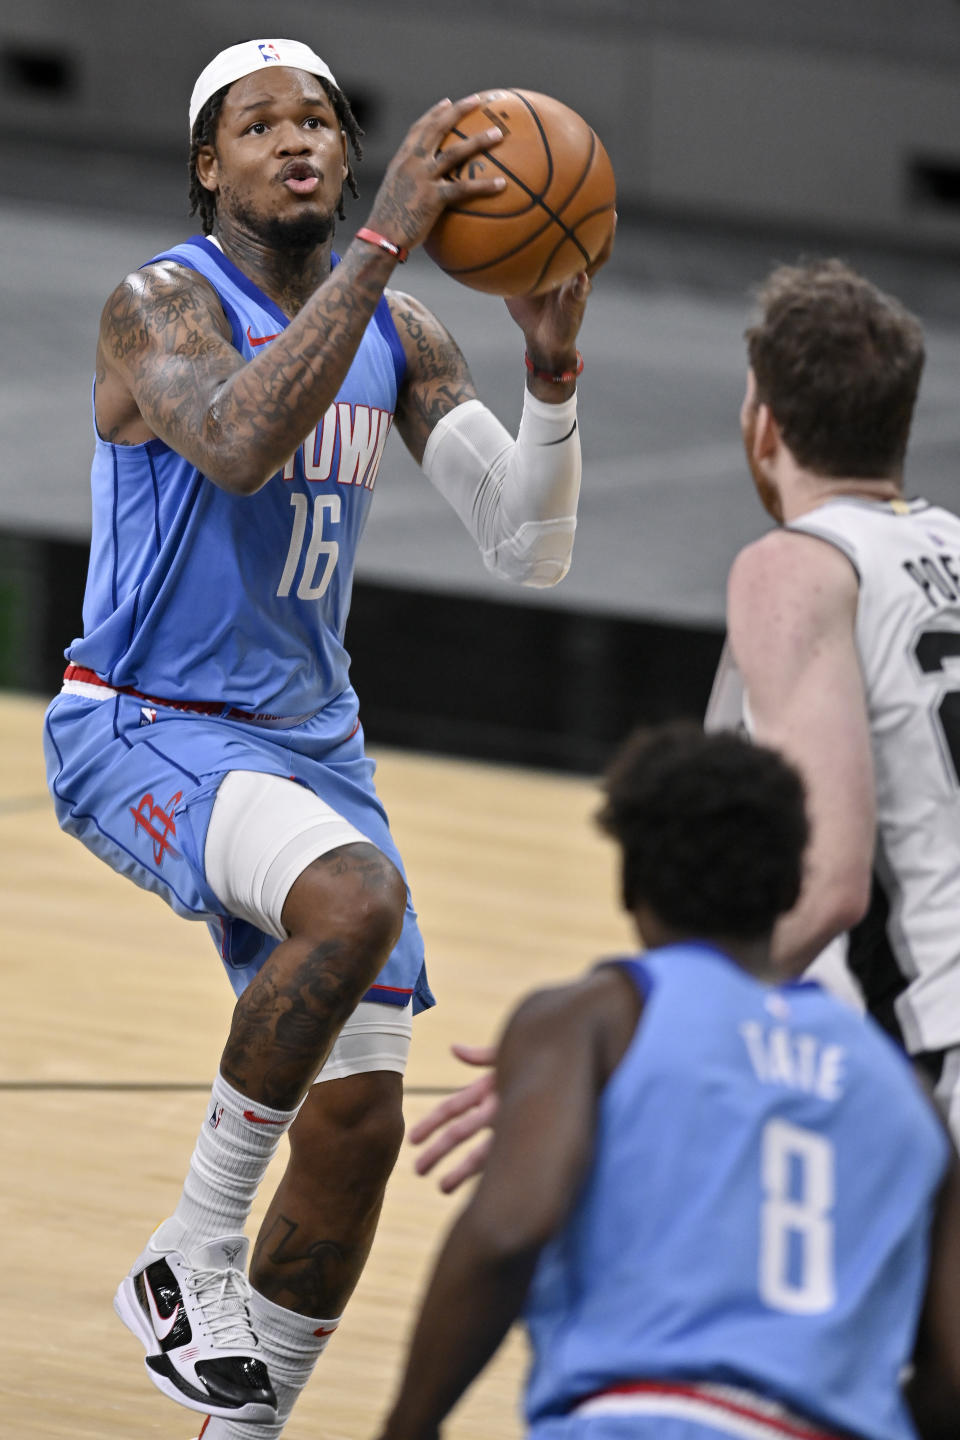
pixel 554 215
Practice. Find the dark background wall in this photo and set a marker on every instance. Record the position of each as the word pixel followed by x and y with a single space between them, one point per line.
pixel 840 112
pixel 741 133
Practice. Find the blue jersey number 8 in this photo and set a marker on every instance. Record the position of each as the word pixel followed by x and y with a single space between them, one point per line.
pixel 796 1262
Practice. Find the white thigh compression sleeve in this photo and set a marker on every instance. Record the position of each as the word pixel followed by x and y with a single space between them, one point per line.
pixel 518 498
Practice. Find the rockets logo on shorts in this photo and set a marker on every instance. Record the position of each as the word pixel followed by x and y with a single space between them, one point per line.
pixel 158 823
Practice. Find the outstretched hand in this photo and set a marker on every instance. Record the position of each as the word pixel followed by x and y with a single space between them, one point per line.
pixel 551 322
pixel 422 180
pixel 458 1118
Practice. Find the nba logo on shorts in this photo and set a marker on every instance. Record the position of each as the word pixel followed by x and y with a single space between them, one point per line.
pixel 268 51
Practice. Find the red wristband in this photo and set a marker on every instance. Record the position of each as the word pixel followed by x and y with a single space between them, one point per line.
pixel 563 377
pixel 372 238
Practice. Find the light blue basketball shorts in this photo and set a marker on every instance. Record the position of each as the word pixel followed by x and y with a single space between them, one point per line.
pixel 137 785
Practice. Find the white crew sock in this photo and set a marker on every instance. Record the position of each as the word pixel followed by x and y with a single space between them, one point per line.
pixel 291 1344
pixel 236 1143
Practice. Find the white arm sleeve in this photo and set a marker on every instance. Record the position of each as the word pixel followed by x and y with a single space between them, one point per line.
pixel 518 498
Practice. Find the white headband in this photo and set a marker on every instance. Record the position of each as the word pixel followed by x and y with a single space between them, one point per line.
pixel 246 58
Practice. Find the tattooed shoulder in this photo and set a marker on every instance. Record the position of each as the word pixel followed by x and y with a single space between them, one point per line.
pixel 156 306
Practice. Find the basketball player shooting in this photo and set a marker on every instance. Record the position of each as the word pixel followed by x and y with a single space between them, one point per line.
pixel 207 743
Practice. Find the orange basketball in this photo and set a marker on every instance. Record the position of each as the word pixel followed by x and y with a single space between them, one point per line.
pixel 555 213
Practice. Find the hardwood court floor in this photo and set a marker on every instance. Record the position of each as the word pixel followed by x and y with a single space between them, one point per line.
pixel 113 1016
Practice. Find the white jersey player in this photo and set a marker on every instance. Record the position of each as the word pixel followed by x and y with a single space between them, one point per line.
pixel 846 654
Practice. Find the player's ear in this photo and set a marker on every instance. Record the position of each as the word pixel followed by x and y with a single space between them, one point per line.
pixel 208 168
pixel 345 163
pixel 766 433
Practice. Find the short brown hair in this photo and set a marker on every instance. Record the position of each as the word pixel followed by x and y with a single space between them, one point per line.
pixel 839 364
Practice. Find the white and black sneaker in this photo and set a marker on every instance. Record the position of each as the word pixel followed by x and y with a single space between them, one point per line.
pixel 191 1314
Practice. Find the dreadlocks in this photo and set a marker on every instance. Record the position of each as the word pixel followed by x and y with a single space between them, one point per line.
pixel 204 202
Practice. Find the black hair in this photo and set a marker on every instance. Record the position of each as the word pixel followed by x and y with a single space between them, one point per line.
pixel 712 830
pixel 204 201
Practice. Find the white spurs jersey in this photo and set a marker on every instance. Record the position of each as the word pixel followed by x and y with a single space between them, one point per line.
pixel 906 952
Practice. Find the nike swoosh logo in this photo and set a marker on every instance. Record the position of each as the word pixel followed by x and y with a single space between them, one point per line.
pixel 261 1119
pixel 260 339
pixel 161 1326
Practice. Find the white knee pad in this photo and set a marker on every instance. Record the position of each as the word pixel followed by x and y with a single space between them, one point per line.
pixel 264 831
pixel 376 1037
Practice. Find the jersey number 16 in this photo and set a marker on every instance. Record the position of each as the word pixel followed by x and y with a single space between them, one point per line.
pixel 314 580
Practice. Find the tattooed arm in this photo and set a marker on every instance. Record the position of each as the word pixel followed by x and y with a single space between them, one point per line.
pixel 438 377
pixel 165 364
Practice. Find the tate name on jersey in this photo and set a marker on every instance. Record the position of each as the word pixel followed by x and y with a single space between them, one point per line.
pixel 798 1061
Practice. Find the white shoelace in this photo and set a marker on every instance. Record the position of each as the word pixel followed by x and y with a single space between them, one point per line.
pixel 223 1297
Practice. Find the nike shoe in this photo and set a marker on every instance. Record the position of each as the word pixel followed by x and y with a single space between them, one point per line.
pixel 191 1314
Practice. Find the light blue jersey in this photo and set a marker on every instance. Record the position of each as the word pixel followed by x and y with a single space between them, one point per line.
pixel 197 594
pixel 237 603
pixel 756 1213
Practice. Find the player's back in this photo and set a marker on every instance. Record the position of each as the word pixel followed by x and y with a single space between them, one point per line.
pixel 907 558
pixel 756 1212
